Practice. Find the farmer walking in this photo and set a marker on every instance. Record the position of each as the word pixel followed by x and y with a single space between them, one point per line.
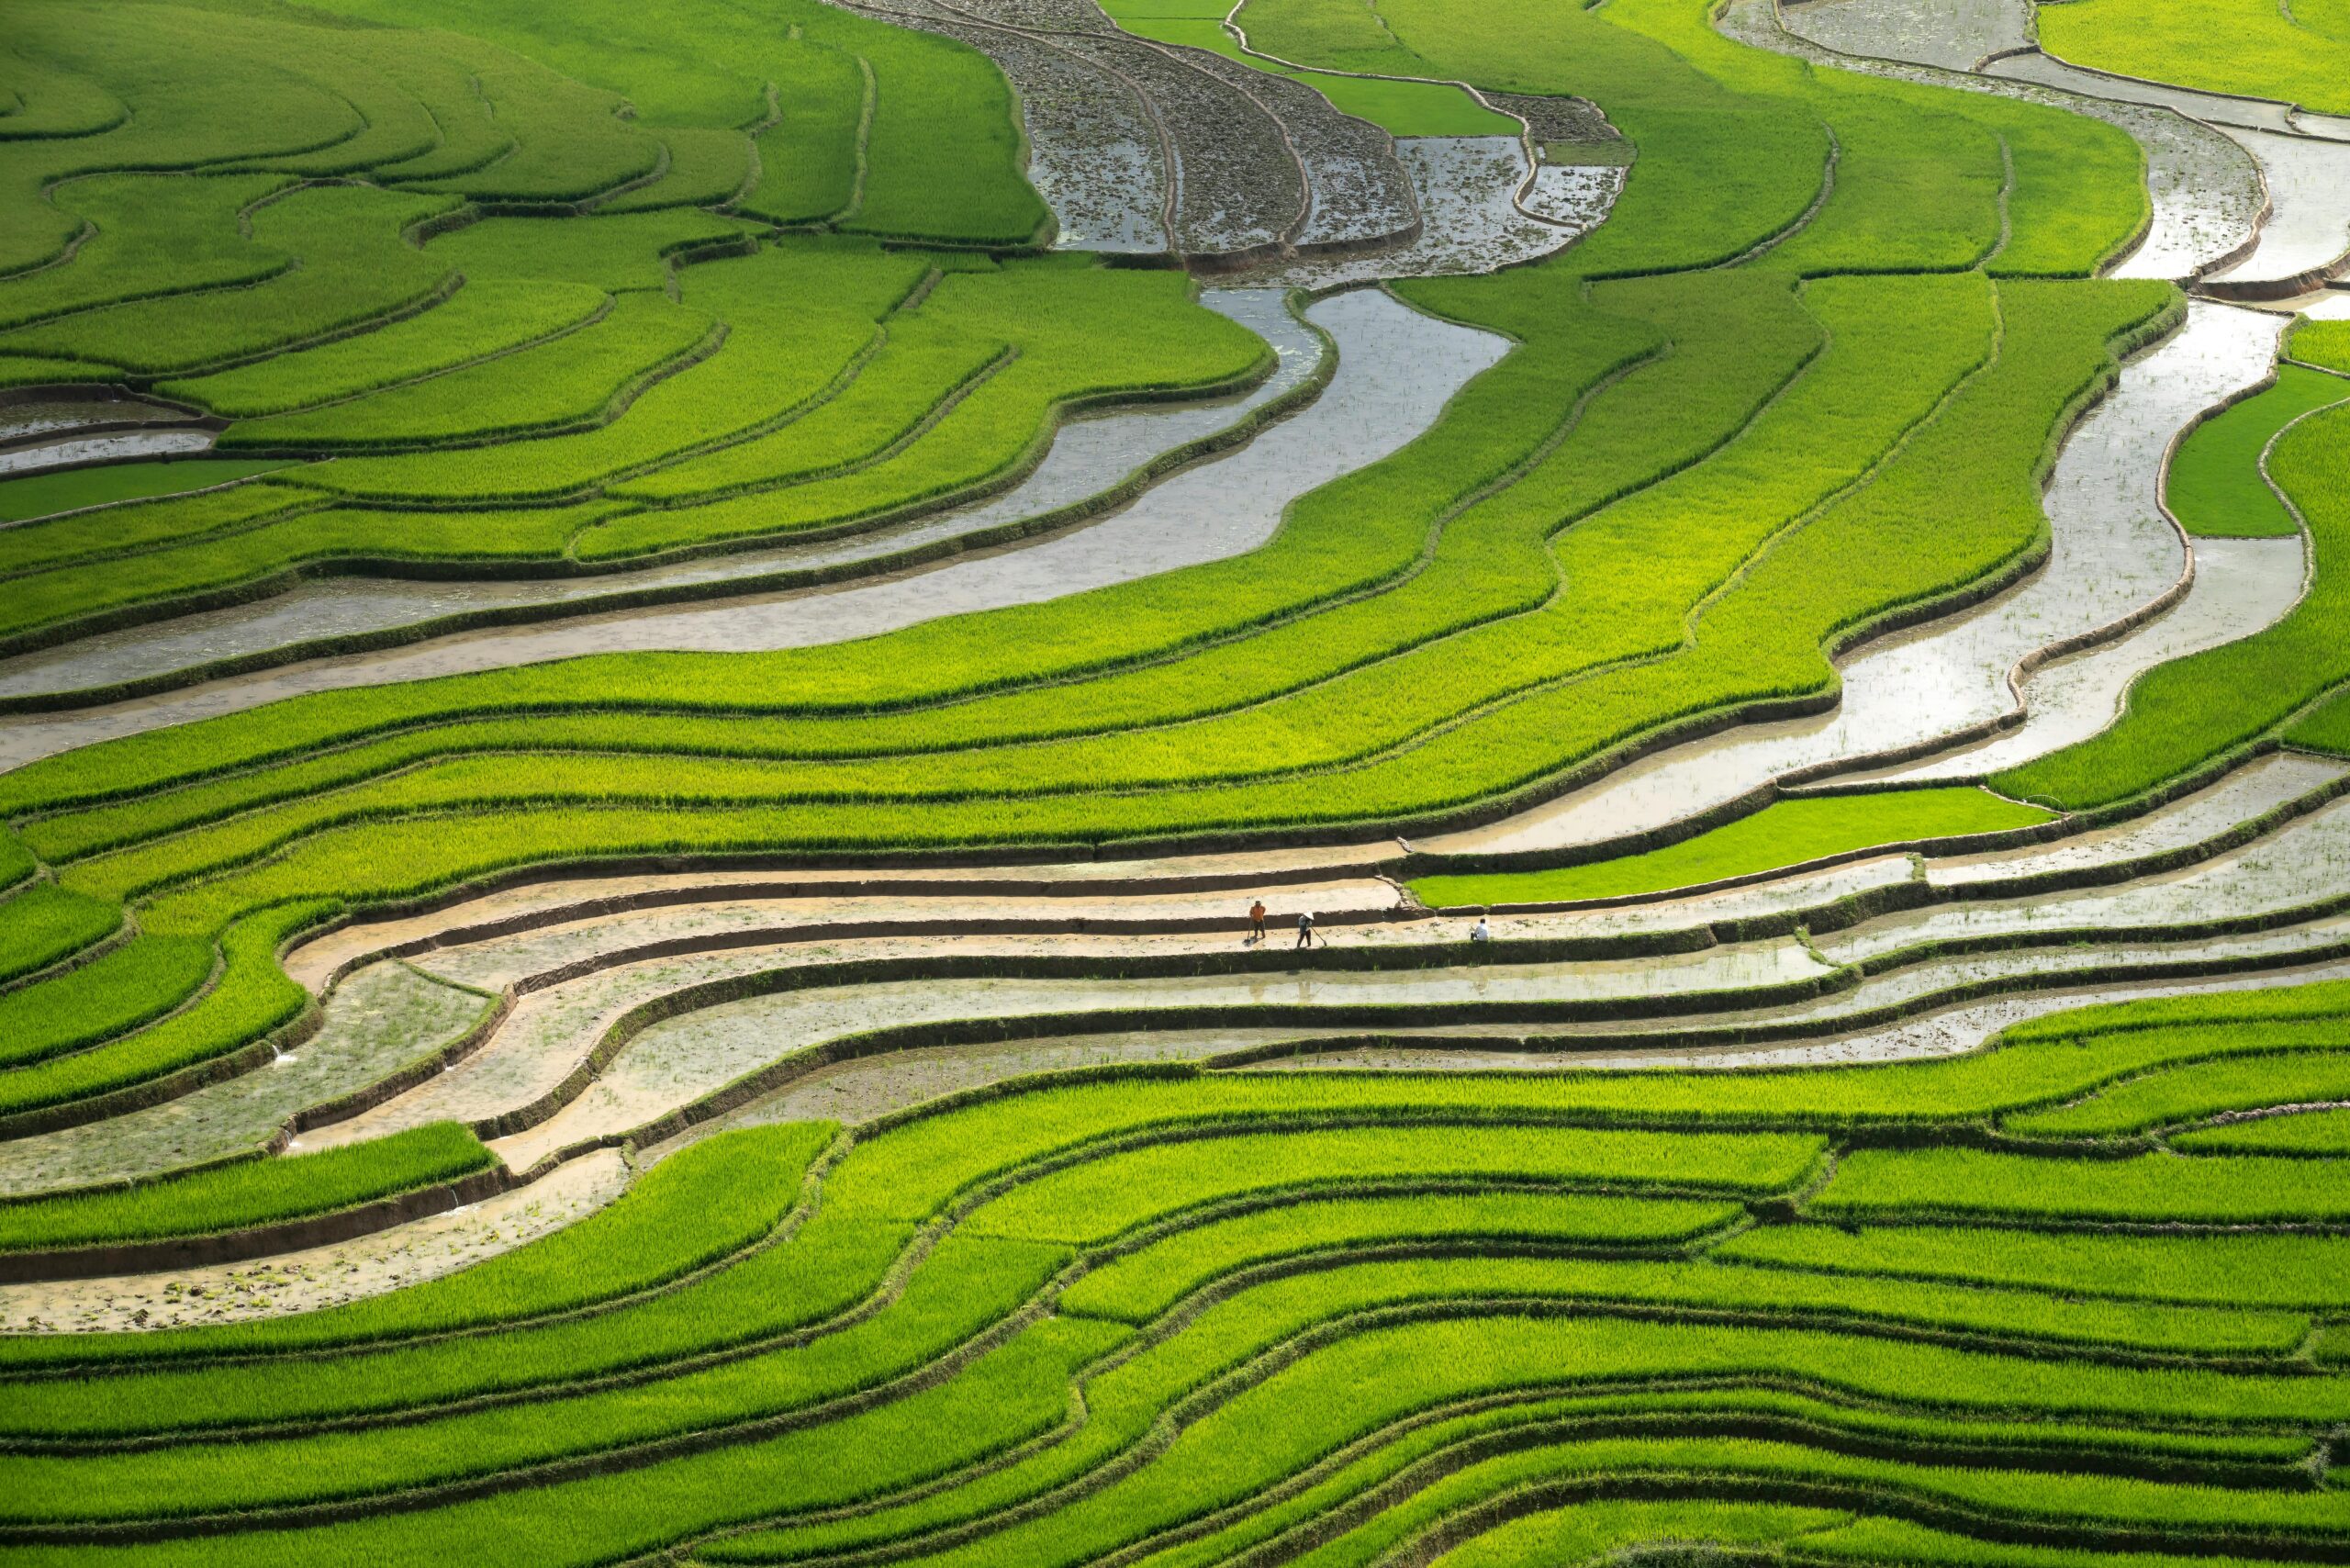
pixel 1306 931
pixel 1257 920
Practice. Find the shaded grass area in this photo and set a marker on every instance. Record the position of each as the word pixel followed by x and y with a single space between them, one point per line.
pixel 38 494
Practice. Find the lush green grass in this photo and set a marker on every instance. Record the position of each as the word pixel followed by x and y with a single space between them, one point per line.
pixel 154 235
pixel 808 158
pixel 2326 727
pixel 38 494
pixel 624 253
pixel 762 1296
pixel 249 997
pixel 1663 170
pixel 1418 1325
pixel 2243 47
pixel 202 96
pixel 586 377
pixel 1899 1540
pixel 707 165
pixel 1901 518
pixel 2323 343
pixel 2152 1187
pixel 2181 1094
pixel 139 523
pixel 101 999
pixel 1459 762
pixel 247 1193
pixel 796 317
pixel 44 924
pixel 927 357
pixel 2215 485
pixel 1785 834
pixel 17 866
pixel 2250 1271
pixel 681 401
pixel 299 537
pixel 348 265
pixel 1676 497
pixel 494 315
pixel 1434 1444
pixel 1349 36
pixel 2321 1132
pixel 1777 1292
pixel 1317 1406
pixel 1075 337
pixel 1120 1193
pixel 1587 1533
pixel 1140 1285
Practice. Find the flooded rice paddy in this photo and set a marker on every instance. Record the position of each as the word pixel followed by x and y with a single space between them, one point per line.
pixel 1140 147
pixel 1395 371
pixel 2113 552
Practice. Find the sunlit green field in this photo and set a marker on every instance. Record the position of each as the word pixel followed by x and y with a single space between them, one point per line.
pixel 515 291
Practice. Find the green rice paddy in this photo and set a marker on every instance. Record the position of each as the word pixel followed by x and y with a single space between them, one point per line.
pixel 2293 54
pixel 2216 483
pixel 1229 1327
pixel 519 290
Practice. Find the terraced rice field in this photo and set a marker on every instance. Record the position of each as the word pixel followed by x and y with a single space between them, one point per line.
pixel 1016 781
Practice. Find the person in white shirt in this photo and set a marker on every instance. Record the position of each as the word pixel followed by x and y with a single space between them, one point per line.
pixel 1481 932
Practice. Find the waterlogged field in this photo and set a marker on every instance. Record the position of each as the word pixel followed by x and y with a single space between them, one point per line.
pixel 820 1102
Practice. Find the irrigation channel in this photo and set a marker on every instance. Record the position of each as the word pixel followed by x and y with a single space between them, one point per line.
pixel 588 1026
